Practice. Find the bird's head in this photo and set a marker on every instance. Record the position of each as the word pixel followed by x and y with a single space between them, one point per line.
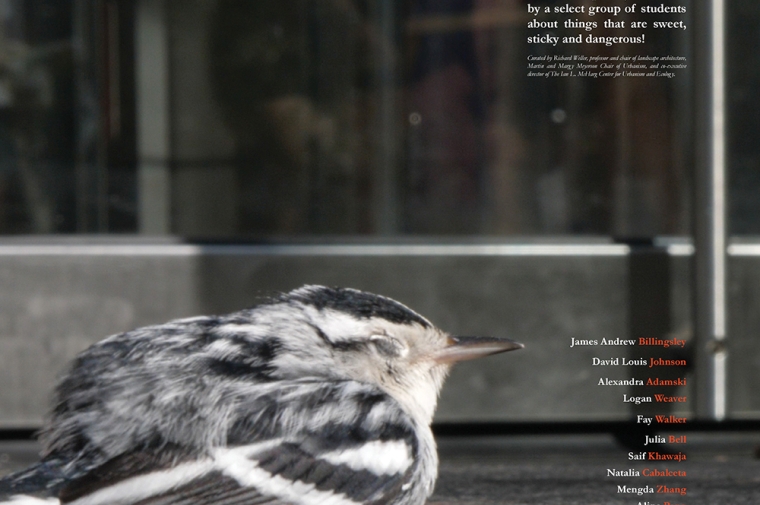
pixel 346 334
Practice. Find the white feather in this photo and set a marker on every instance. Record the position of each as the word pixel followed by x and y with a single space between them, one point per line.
pixel 379 457
pixel 144 486
pixel 235 463
pixel 30 500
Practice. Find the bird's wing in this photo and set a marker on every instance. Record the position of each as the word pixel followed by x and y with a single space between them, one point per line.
pixel 168 477
pixel 313 443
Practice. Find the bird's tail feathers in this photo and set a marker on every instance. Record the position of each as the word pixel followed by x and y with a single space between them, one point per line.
pixel 33 485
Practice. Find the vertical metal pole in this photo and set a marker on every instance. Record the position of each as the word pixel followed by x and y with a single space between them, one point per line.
pixel 153 117
pixel 385 193
pixel 710 210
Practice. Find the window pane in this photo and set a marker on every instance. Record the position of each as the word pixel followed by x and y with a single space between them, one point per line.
pixel 235 119
pixel 743 83
pixel 37 120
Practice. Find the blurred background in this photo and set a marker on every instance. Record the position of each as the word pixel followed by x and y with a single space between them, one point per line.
pixel 165 158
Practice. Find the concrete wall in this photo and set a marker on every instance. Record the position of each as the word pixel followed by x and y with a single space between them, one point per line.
pixel 57 298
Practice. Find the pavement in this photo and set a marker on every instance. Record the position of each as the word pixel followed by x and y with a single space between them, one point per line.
pixel 721 468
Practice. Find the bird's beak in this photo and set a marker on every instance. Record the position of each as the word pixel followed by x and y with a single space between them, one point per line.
pixel 464 348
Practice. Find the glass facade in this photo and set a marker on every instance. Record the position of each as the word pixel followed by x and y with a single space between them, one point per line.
pixel 235 120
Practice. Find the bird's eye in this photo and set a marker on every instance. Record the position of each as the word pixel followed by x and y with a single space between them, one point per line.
pixel 388 346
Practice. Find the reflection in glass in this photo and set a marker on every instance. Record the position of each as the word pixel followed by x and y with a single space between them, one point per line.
pixel 238 119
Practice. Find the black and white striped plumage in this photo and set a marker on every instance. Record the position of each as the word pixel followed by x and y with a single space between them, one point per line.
pixel 321 396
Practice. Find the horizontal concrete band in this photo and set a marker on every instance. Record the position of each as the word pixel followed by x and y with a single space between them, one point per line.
pixel 317 250
pixel 679 249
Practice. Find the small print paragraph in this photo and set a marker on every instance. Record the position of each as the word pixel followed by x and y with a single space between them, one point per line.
pixel 579 65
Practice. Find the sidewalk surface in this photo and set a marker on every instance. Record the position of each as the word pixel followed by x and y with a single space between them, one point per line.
pixel 566 470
